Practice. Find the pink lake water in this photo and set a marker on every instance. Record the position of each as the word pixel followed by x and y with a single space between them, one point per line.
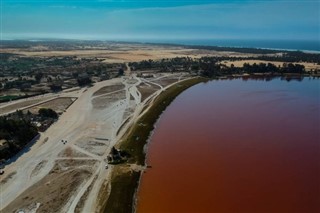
pixel 236 146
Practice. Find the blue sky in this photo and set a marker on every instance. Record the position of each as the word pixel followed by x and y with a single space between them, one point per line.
pixel 150 19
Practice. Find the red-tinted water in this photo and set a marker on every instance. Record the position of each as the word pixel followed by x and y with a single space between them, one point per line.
pixel 236 146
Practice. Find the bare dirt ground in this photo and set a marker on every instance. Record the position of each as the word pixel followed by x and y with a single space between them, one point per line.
pixel 72 125
pixel 165 81
pixel 7 178
pixel 109 89
pixel 67 177
pixel 104 101
pixel 38 168
pixel 71 153
pixel 54 190
pixel 20 104
pixel 147 89
pixel 96 147
pixel 58 104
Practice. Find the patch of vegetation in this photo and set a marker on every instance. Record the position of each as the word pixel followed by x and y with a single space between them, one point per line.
pixel 17 132
pixel 216 70
pixel 117 156
pixel 8 98
pixel 215 64
pixel 48 113
pixel 123 188
pixel 18 129
pixel 84 79
pixel 37 75
pixel 288 56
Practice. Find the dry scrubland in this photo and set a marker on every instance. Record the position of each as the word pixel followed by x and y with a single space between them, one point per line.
pixel 124 53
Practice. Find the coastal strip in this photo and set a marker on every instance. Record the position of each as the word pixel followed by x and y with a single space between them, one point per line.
pixel 125 177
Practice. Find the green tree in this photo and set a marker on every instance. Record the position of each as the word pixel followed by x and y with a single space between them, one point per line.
pixel 48 113
pixel 38 76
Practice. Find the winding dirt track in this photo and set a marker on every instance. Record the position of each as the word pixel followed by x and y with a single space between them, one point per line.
pixel 72 126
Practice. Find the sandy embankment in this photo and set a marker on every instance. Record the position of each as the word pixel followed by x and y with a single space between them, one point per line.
pixel 124 183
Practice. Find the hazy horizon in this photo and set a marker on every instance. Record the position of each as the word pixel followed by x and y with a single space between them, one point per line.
pixel 134 20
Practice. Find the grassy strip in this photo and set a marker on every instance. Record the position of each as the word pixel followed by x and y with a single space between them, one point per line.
pixel 123 187
pixel 138 135
pixel 124 181
pixel 8 98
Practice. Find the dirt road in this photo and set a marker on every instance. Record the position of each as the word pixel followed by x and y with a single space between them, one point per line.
pixel 90 126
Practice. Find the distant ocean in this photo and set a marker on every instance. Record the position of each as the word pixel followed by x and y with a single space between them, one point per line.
pixel 312 46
